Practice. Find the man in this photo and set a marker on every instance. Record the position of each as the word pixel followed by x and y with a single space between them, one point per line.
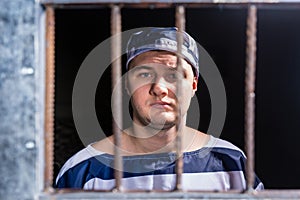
pixel 148 145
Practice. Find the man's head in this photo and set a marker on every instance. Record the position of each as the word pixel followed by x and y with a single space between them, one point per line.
pixel 152 78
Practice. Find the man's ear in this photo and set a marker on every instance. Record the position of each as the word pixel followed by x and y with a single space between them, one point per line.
pixel 195 85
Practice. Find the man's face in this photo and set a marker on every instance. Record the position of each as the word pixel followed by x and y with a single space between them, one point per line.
pixel 152 84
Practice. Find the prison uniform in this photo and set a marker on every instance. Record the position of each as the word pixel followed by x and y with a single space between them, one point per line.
pixel 217 166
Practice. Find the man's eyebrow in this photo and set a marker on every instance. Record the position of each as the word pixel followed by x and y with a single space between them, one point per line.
pixel 140 68
pixel 145 67
pixel 176 69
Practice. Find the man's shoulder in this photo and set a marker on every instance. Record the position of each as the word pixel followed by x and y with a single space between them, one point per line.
pixel 79 157
pixel 105 145
pixel 223 146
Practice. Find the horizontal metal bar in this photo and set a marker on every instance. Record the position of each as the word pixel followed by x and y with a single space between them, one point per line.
pixel 164 1
pixel 266 194
pixel 158 5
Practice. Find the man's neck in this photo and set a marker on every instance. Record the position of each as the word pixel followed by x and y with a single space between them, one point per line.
pixel 162 141
pixel 147 140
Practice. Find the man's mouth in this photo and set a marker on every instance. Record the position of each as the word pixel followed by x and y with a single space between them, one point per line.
pixel 161 105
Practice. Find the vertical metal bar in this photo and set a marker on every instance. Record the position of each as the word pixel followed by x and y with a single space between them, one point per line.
pixel 180 24
pixel 250 94
pixel 116 45
pixel 49 98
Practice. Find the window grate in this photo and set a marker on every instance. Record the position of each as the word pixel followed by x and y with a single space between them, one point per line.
pixel 116 74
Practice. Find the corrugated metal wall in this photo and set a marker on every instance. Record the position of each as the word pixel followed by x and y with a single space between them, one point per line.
pixel 21 99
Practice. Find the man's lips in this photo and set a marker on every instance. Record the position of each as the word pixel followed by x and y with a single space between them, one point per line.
pixel 161 104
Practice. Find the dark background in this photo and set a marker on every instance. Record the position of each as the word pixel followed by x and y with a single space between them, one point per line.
pixel 221 31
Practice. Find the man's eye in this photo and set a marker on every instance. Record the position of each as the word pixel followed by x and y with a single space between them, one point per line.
pixel 172 77
pixel 145 75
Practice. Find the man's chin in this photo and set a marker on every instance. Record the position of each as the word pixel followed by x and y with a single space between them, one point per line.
pixel 161 126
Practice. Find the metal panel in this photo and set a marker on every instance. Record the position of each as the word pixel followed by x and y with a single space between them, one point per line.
pixel 18 99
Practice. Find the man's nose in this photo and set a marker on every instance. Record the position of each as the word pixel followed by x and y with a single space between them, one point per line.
pixel 159 87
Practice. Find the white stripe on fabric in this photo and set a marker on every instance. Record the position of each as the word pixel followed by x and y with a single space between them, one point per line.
pixel 90 151
pixel 221 181
pixel 260 186
pixel 82 155
pixel 219 143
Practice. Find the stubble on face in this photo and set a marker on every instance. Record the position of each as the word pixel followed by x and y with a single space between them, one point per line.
pixel 155 119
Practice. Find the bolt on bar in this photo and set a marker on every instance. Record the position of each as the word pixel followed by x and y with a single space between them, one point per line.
pixel 49 98
pixel 180 24
pixel 250 94
pixel 116 73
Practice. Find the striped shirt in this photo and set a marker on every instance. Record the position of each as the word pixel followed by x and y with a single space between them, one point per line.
pixel 218 166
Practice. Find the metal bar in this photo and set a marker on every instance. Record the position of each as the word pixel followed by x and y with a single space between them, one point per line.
pixel 116 45
pixel 49 98
pixel 266 194
pixel 250 94
pixel 180 24
pixel 170 4
pixel 165 1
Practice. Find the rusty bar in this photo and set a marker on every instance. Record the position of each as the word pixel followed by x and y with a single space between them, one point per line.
pixel 116 45
pixel 265 194
pixel 49 97
pixel 180 24
pixel 67 2
pixel 250 94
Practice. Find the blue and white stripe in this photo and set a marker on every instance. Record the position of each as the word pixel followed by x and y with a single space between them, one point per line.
pixel 217 166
